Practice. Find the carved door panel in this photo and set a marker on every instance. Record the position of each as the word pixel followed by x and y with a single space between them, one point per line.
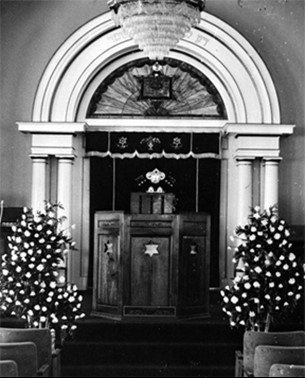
pixel 194 264
pixel 150 275
pixel 107 292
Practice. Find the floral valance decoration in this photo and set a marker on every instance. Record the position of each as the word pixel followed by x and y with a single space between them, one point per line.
pixel 153 145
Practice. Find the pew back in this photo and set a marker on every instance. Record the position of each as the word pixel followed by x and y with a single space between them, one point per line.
pixel 267 355
pixel 24 354
pixel 41 337
pixel 8 368
pixel 287 370
pixel 252 339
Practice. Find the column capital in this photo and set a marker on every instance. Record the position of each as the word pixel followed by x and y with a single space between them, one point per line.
pixel 38 156
pixel 272 159
pixel 241 159
pixel 68 157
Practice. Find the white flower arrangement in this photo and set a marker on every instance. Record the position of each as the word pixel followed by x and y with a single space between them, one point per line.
pixel 271 281
pixel 29 283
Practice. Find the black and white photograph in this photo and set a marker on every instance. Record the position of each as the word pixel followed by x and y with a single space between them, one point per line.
pixel 152 188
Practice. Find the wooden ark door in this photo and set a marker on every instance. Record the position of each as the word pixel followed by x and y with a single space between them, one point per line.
pixel 107 295
pixel 150 275
pixel 152 259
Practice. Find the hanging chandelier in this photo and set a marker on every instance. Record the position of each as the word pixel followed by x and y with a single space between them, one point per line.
pixel 156 26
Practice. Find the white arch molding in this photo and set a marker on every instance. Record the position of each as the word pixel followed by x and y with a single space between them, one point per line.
pixel 98 48
pixel 215 48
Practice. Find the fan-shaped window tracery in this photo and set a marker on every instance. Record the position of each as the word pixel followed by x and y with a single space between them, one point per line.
pixel 173 89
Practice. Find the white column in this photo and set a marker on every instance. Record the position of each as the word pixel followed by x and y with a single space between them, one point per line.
pixel 271 182
pixel 64 185
pixel 244 195
pixel 39 181
pixel 64 197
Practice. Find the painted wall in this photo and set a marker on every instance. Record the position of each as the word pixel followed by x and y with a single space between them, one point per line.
pixel 31 31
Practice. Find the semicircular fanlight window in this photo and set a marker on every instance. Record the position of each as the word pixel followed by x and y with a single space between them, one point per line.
pixel 169 89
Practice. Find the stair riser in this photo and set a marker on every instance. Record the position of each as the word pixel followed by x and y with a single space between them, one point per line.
pixel 147 354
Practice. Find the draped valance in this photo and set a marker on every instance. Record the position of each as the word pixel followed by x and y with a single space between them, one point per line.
pixel 152 145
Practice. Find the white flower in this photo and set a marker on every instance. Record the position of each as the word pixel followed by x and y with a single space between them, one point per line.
pixel 278 274
pixel 26 300
pixel 278 298
pixel 291 256
pixel 247 286
pixel 286 267
pixel 256 300
pixel 252 314
pixel 40 267
pixel 27 233
pixel 244 295
pixel 256 284
pixel 278 263
pixel 277 236
pixel 258 269
pixel 291 281
pixel 30 312
pixel 269 241
pixel 271 284
pixel 298 296
pixel 43 318
pixel 18 269
pixel 234 299
pixel 290 293
pixel 280 227
pixel 28 275
pixel 267 296
pixel 282 257
pixel 287 233
pixel 41 241
pixel 37 307
pixel 53 284
pixel 252 237
pixel 18 240
pixel 253 229
pixel 5 272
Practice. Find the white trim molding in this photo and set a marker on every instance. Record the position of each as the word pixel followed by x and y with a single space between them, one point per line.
pixel 97 48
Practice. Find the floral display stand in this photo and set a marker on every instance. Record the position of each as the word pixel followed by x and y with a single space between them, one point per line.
pixel 268 284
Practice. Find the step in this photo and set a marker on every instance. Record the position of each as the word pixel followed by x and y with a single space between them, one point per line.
pixel 143 353
pixel 192 370
pixel 100 330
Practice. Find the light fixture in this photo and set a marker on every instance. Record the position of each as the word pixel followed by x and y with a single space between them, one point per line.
pixel 156 26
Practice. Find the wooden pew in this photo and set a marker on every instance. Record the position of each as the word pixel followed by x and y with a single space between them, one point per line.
pixel 267 355
pixel 285 370
pixel 41 337
pixel 244 362
pixel 8 368
pixel 24 354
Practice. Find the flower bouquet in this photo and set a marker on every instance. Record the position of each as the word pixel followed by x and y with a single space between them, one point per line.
pixel 30 288
pixel 270 282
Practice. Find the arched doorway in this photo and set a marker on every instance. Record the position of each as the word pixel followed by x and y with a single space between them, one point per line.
pixel 250 132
